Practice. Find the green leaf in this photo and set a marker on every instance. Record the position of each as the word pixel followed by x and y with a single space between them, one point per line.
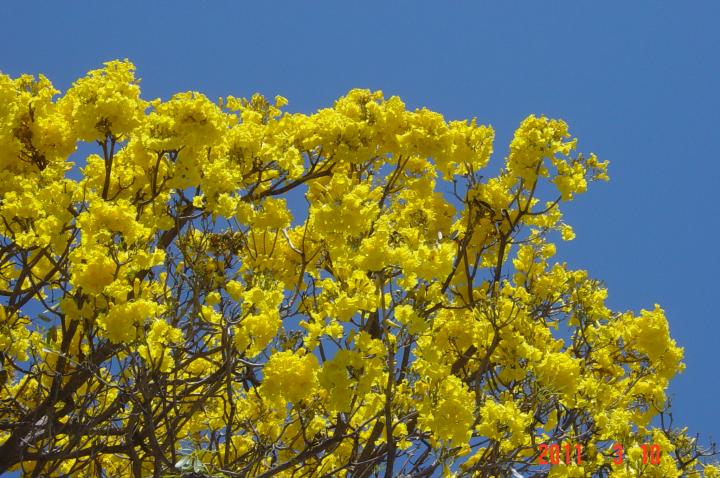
pixel 184 463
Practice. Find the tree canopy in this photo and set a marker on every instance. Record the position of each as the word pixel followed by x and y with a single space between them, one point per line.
pixel 223 288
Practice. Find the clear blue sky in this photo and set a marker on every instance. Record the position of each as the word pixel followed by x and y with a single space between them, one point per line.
pixel 636 80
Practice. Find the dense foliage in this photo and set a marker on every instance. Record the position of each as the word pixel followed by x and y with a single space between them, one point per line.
pixel 226 289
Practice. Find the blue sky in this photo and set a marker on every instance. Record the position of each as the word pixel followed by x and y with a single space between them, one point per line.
pixel 637 82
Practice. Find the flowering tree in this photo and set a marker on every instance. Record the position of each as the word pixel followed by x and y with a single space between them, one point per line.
pixel 166 313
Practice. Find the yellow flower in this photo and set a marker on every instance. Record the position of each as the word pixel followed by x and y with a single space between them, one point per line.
pixel 291 376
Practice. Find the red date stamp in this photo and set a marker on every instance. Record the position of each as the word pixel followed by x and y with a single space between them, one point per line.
pixel 568 454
